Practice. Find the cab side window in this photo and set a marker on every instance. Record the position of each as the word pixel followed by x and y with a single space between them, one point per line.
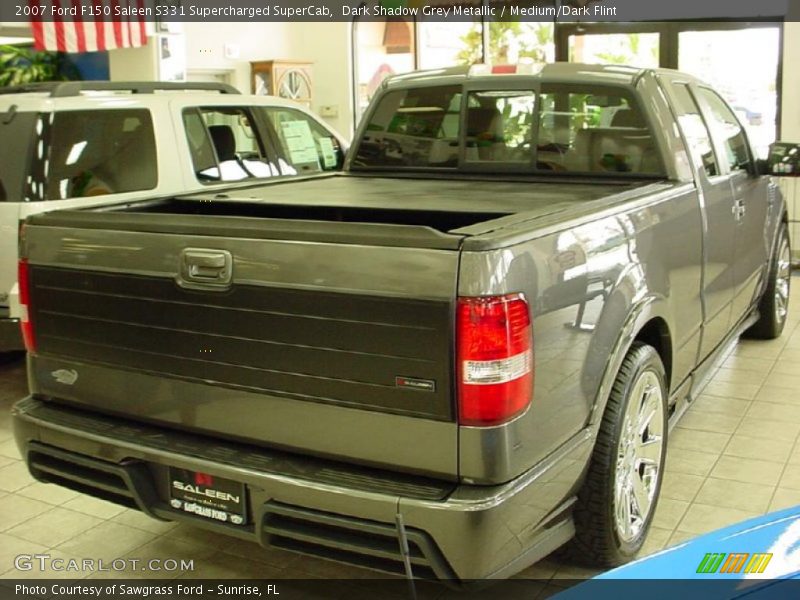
pixel 727 128
pixel 304 146
pixel 695 130
pixel 225 145
pixel 100 152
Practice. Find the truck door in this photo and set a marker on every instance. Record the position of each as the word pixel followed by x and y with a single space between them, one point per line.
pixel 750 198
pixel 716 197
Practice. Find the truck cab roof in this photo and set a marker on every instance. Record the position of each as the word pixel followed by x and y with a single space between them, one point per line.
pixel 78 95
pixel 559 71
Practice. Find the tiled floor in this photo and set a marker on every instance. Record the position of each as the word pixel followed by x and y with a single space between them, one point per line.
pixel 734 455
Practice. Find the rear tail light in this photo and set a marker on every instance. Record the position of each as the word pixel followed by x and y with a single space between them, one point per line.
pixel 23 279
pixel 495 359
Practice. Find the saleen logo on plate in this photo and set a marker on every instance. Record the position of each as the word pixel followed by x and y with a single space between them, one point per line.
pixel 210 493
pixel 735 562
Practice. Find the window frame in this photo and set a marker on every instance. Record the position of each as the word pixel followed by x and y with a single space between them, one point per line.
pixel 498 85
pixel 721 144
pixel 672 83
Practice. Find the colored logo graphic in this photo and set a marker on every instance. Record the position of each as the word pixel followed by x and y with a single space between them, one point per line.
pixel 736 562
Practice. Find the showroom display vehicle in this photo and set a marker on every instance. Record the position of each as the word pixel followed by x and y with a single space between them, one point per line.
pixel 456 356
pixel 90 143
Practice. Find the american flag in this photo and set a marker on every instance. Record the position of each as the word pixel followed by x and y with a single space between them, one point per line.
pixel 87 26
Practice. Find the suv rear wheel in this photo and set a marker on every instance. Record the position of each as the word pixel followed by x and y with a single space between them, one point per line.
pixel 618 499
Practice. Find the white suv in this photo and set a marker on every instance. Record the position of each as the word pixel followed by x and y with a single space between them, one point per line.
pixel 72 144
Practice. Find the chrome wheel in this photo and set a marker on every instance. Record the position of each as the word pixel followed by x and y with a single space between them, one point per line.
pixel 783 275
pixel 639 454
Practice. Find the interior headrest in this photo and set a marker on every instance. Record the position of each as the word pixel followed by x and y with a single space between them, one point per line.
pixel 628 118
pixel 224 142
pixel 483 120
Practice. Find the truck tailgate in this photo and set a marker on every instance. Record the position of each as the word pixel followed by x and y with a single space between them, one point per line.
pixel 335 349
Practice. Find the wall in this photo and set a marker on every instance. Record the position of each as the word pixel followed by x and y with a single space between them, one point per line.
pixel 325 44
pixel 790 118
pixel 205 47
pixel 134 64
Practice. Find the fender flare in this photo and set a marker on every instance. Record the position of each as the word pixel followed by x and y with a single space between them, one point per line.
pixel 643 311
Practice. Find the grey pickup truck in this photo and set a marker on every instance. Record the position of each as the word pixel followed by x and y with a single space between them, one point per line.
pixel 460 354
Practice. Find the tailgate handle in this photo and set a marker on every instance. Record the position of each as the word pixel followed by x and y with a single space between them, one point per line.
pixel 205 269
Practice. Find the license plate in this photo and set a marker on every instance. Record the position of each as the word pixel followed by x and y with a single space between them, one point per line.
pixel 208 496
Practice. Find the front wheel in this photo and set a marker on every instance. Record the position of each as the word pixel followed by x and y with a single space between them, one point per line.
pixel 616 503
pixel 774 305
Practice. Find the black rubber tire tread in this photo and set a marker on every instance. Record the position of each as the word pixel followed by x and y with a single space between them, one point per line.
pixel 595 543
pixel 768 327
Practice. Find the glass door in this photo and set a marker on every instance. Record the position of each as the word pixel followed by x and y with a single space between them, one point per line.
pixel 742 65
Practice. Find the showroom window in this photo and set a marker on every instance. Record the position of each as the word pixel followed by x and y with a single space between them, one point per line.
pixel 382 48
pixel 742 65
pixel 740 60
pixel 634 49
pixel 100 152
pixel 511 42
pixel 446 44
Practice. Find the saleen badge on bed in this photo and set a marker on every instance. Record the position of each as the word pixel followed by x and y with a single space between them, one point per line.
pixel 65 376
pixel 413 383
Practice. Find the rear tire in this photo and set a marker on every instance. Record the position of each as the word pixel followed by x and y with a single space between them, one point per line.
pixel 616 504
pixel 773 307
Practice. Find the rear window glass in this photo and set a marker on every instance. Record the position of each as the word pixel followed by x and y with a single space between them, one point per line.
pixel 413 128
pixel 570 128
pixel 99 152
pixel 500 126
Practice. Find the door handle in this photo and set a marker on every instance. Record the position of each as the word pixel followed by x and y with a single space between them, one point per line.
pixel 739 209
pixel 205 269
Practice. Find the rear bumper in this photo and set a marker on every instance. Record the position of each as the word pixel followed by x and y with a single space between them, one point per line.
pixel 10 333
pixel 309 505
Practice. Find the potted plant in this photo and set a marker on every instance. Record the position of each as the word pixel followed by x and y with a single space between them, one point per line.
pixel 22 64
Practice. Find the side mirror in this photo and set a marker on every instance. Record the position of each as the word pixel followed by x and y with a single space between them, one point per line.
pixel 784 160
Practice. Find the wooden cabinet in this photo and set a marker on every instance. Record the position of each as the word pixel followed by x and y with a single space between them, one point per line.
pixel 290 79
